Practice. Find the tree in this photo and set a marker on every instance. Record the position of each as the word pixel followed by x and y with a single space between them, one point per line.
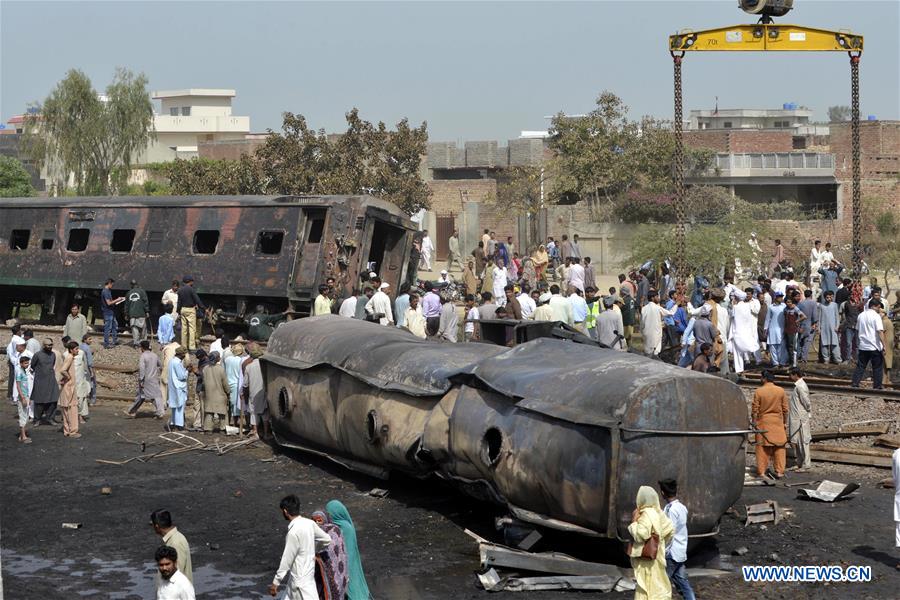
pixel 603 155
pixel 520 191
pixel 365 159
pixel 838 114
pixel 15 181
pixel 711 243
pixel 91 139
pixel 882 246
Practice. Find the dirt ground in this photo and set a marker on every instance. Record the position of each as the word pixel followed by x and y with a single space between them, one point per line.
pixel 412 541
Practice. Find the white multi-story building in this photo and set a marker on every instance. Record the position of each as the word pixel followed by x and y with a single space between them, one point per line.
pixel 188 117
pixel 789 117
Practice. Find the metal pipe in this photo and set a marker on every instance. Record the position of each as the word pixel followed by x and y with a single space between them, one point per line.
pixel 669 432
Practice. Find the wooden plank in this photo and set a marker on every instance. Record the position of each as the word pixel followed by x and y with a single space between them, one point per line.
pixel 547 562
pixel 833 433
pixel 848 450
pixel 851 459
pixel 888 441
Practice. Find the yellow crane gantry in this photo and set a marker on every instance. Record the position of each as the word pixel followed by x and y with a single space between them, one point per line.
pixel 766 35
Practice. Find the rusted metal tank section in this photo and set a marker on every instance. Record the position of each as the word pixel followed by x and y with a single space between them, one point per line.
pixel 561 433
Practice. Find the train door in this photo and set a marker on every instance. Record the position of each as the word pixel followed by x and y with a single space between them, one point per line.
pixel 386 252
pixel 311 248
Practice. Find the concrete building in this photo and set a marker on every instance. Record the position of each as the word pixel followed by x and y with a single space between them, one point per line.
pixel 190 117
pixel 789 117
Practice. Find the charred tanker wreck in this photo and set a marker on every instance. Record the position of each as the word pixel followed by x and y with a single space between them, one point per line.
pixel 562 434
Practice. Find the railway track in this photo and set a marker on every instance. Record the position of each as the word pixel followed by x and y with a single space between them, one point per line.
pixel 846 390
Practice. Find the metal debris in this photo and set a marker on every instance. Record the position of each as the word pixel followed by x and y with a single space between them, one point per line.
pixel 828 491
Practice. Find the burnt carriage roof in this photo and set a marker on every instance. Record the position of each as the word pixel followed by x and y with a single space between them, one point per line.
pixel 198 201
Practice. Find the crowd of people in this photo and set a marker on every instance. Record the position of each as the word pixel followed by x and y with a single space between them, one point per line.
pixel 320 560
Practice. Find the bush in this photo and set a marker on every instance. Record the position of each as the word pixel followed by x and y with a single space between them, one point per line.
pixel 15 181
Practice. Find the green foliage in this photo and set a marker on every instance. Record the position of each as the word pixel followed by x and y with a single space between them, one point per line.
pixel 78 135
pixel 365 159
pixel 714 238
pixel 603 155
pixel 148 188
pixel 882 244
pixel 15 182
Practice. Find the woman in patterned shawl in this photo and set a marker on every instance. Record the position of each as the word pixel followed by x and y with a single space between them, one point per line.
pixel 332 574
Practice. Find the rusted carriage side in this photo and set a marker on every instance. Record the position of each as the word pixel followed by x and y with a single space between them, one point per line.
pixel 242 250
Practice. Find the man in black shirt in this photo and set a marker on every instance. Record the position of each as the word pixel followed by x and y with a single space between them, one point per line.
pixel 188 303
pixel 843 293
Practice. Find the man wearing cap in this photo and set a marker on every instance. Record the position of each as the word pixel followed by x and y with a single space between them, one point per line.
pixel 45 389
pixel 137 307
pixel 774 328
pixel 444 277
pixel 829 336
pixel 255 395
pixel 13 351
pixel 178 388
pixel 609 325
pixel 543 312
pixel 380 304
pixel 188 303
pixel 217 392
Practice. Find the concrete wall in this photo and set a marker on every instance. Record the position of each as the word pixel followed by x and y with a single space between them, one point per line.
pixel 739 140
pixel 201 106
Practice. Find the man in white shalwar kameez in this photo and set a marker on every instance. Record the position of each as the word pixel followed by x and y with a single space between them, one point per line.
pixel 652 323
pixel 380 303
pixel 896 471
pixel 427 251
pixel 304 539
pixel 745 338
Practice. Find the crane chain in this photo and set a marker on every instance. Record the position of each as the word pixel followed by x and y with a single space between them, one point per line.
pixel 855 166
pixel 679 260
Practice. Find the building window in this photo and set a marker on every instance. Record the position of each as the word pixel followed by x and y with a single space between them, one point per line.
pixel 173 111
pixel 185 111
pixel 48 239
pixel 269 242
pixel 205 241
pixel 727 124
pixel 122 240
pixel 18 239
pixel 78 240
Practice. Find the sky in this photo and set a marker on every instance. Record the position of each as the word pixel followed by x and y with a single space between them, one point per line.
pixel 472 70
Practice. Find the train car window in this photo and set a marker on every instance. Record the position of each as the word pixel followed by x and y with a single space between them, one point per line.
pixel 316 228
pixel 205 241
pixel 48 240
pixel 122 240
pixel 78 240
pixel 18 239
pixel 269 242
pixel 155 242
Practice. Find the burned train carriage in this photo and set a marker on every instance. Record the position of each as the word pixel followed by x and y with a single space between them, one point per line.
pixel 242 250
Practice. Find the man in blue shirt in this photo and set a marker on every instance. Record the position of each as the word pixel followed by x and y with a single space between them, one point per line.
pixel 676 552
pixel 107 309
pixel 166 328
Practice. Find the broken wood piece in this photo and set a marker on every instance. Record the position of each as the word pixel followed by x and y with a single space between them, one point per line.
pixel 848 450
pixel 888 441
pixel 493 555
pixel 846 431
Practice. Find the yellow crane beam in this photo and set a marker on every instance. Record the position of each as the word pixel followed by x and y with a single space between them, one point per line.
pixel 766 36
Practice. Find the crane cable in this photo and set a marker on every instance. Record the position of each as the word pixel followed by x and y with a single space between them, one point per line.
pixel 680 266
pixel 855 166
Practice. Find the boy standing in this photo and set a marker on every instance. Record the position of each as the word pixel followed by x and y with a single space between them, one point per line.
pixel 676 552
pixel 24 396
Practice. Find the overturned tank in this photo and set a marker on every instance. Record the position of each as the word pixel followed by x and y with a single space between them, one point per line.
pixel 563 434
